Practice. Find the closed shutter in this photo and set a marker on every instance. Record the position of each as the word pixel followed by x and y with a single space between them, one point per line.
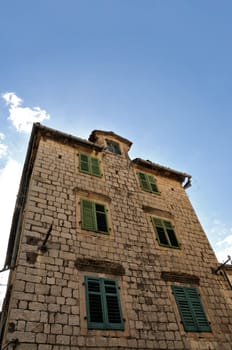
pixel 95 166
pixel 152 183
pixel 84 163
pixel 201 319
pixel 94 303
pixel 147 182
pixel 114 317
pixel 89 165
pixel 190 308
pixel 144 182
pixel 88 220
pixel 103 304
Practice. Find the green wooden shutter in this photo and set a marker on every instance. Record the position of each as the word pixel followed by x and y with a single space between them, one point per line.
pixel 89 165
pixel 165 233
pixel 103 304
pixel 171 234
pixel 94 303
pixel 160 231
pixel 88 220
pixel 147 182
pixel 144 182
pixel 190 309
pixel 113 307
pixel 200 317
pixel 184 308
pixel 153 185
pixel 95 166
pixel 84 163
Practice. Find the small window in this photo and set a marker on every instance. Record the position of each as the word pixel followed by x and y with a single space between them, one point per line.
pixel 165 233
pixel 93 216
pixel 89 165
pixel 103 304
pixel 113 147
pixel 191 310
pixel 147 182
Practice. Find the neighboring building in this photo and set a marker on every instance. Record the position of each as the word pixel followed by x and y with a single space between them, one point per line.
pixel 228 273
pixel 107 253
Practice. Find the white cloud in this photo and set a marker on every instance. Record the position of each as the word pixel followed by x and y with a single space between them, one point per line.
pixel 227 240
pixel 12 99
pixel 223 254
pixel 3 150
pixel 222 234
pixel 22 118
pixel 3 147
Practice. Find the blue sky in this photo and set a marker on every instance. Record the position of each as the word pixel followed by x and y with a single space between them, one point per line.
pixel 157 72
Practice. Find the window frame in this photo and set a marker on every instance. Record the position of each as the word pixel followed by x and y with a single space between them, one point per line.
pixel 191 311
pixel 90 216
pixel 92 169
pixel 104 307
pixel 164 226
pixel 148 182
pixel 113 147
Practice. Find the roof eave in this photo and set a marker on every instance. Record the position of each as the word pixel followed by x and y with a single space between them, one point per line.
pixel 93 134
pixel 164 171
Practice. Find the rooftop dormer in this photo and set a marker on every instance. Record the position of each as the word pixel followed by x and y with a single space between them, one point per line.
pixel 111 142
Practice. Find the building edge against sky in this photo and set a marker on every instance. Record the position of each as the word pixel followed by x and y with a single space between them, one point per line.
pixel 107 252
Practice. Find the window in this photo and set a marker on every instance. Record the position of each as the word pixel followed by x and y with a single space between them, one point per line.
pixel 103 304
pixel 113 147
pixel 93 216
pixel 89 165
pixel 147 182
pixel 165 233
pixel 191 310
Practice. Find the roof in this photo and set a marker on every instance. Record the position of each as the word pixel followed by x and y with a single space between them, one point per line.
pixel 228 267
pixel 93 136
pixel 168 172
pixel 39 131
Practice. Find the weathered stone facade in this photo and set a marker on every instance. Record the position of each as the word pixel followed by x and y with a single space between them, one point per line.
pixel 50 253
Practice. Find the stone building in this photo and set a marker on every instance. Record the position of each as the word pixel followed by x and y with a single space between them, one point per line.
pixel 107 253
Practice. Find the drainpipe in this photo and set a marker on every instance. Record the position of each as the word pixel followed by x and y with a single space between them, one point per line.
pixel 188 183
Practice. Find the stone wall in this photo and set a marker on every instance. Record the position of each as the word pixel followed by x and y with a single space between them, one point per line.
pixel 47 306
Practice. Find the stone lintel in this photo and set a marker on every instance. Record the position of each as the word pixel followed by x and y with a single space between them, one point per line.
pixel 182 277
pixel 102 266
pixel 158 212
